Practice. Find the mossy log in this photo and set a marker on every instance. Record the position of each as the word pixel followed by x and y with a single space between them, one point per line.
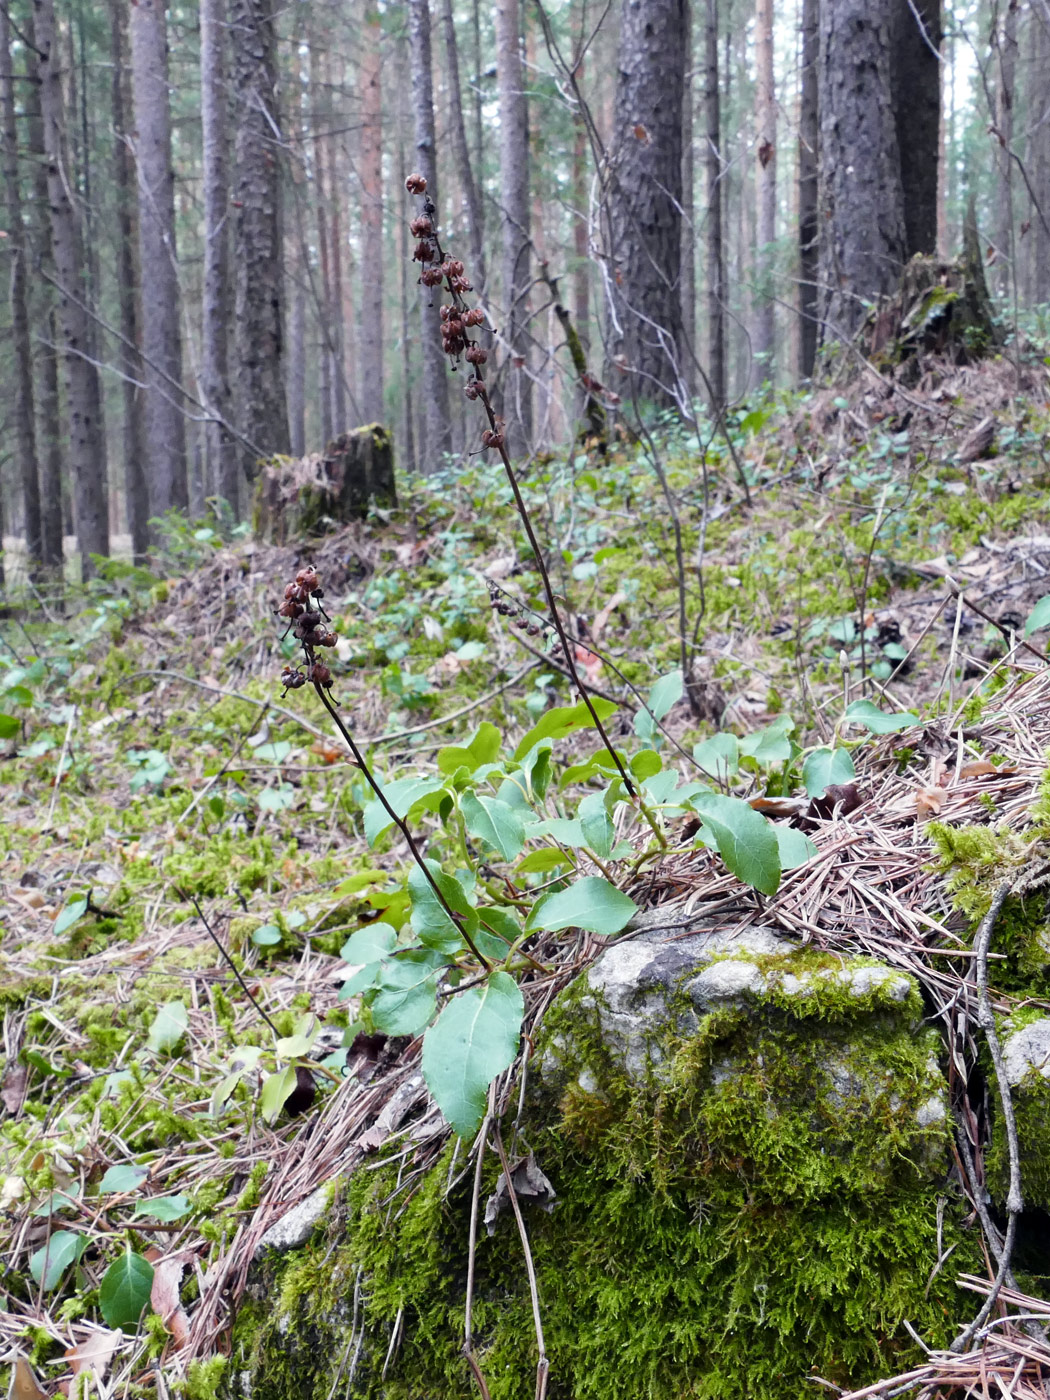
pixel 303 496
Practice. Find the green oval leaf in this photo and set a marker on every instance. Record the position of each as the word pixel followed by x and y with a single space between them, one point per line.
pixel 824 767
pixel 266 936
pixel 9 726
pixel 369 944
pixel 746 841
pixel 494 823
pixel 430 920
pixel 407 995
pixel 402 794
pixel 169 1026
pixel 592 904
pixel 124 1293
pixel 877 721
pixel 54 1257
pixel 163 1208
pixel 718 756
pixel 771 744
pixel 474 1039
pixel 795 847
pixel 563 720
pixel 276 1090
pixel 123 1178
pixel 74 910
pixel 1039 617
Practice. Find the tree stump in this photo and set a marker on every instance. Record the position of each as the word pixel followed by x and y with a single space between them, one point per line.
pixel 311 495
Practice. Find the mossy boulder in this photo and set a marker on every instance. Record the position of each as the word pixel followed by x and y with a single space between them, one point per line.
pixel 749 1146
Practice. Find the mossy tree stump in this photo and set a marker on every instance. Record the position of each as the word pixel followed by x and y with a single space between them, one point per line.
pixel 297 497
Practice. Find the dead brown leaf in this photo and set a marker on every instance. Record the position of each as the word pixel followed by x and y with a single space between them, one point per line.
pixel 929 800
pixel 13 1088
pixel 94 1353
pixel 24 1384
pixel 164 1295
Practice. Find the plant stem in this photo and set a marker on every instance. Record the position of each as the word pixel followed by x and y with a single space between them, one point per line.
pixel 400 823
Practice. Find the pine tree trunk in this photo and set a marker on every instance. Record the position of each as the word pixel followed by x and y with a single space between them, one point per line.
pixel 224 465
pixel 49 406
pixel 257 379
pixel 514 225
pixel 1039 156
pixel 766 192
pixel 1005 68
pixel 371 336
pixel 808 224
pixel 464 168
pixel 87 445
pixel 17 247
pixel 136 495
pixel 916 96
pixel 581 275
pixel 861 204
pixel 645 221
pixel 166 475
pixel 687 348
pixel 324 299
pixel 437 424
pixel 716 275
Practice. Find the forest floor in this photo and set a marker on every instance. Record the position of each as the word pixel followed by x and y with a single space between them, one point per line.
pixel 154 775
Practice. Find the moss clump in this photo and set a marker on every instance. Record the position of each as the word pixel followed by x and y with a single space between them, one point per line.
pixel 762 1211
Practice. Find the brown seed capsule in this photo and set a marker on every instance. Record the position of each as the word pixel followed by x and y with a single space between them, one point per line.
pixel 430 277
pixel 416 184
pixel 471 389
pixel 308 578
pixel 475 355
pixel 320 673
pixel 474 317
pixel 423 252
pixel 421 227
pixel 459 284
pixel 455 267
pixel 290 608
pixel 446 312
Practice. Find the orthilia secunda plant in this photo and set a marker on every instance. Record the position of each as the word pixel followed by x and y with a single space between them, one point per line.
pixel 458 320
pixel 311 626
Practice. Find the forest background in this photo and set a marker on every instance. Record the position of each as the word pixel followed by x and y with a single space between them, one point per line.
pixel 708 193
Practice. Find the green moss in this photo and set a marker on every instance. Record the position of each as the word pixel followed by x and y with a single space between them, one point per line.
pixel 764 1209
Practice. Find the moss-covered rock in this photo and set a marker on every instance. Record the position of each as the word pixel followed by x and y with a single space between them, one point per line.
pixel 748 1149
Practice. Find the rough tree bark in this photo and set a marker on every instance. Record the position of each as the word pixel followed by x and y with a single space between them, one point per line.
pixel 49 407
pixel 166 477
pixel 136 495
pixel 1004 44
pixel 864 242
pixel 17 246
pixel 766 193
pixel 645 199
pixel 223 460
pixel 258 381
pixel 808 223
pixel 515 224
pixel 87 445
pixel 437 421
pixel 917 107
pixel 1039 156
pixel 370 163
pixel 716 267
pixel 687 295
pixel 461 151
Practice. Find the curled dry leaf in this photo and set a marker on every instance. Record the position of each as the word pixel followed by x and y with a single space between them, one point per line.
pixel 530 1185
pixel 164 1294
pixel 981 768
pixel 779 806
pixel 842 798
pixel 929 800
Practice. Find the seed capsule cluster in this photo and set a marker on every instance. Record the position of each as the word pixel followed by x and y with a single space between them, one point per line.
pixel 457 319
pixel 309 623
pixel 522 618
